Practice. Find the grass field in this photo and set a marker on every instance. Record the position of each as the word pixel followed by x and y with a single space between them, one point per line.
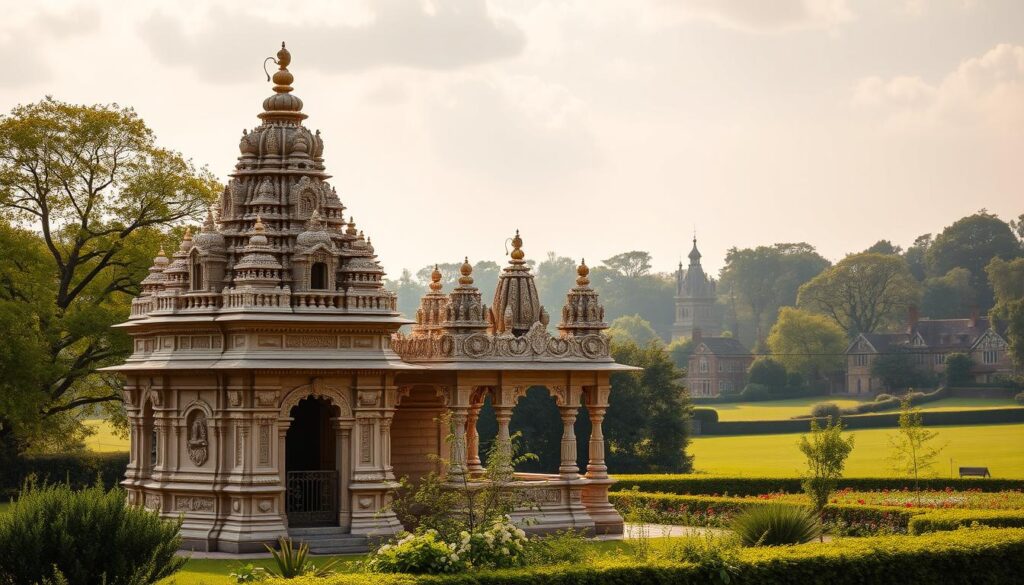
pixel 998 447
pixel 782 409
pixel 104 440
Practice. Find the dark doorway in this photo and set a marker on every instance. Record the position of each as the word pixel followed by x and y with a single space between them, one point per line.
pixel 318 276
pixel 310 451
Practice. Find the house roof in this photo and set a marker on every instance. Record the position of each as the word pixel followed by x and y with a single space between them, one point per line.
pixel 935 334
pixel 724 346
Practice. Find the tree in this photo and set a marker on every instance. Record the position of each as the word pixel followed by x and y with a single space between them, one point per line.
pixel 862 292
pixel 630 264
pixel 646 425
pixel 632 328
pixel 1007 280
pixel 915 256
pixel 958 369
pixel 409 292
pixel 807 343
pixel 885 247
pixel 913 452
pixel 826 451
pixel 648 295
pixel 765 278
pixel 554 277
pixel 100 191
pixel 679 351
pixel 948 296
pixel 971 243
pixel 897 371
pixel 768 373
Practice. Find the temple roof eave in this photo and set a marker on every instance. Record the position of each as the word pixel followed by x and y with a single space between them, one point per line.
pixel 525 365
pixel 261 363
pixel 286 316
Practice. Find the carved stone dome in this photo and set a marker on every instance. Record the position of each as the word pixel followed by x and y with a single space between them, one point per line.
pixel 209 239
pixel 315 234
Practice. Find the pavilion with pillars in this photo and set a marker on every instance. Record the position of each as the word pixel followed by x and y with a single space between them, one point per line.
pixel 271 394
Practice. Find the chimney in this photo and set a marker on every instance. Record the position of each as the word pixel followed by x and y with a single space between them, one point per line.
pixel 696 335
pixel 912 318
pixel 975 316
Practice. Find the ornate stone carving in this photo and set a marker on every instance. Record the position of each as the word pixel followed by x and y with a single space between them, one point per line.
pixel 235 398
pixel 152 501
pixel 264 439
pixel 369 397
pixel 266 397
pixel 198 442
pixel 193 504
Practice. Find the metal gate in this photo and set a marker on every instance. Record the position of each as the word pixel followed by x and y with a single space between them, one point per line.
pixel 312 498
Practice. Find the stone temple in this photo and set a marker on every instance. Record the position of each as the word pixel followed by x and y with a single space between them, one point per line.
pixel 271 394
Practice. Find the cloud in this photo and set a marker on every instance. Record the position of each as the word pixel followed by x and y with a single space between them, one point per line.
pixel 21 59
pixel 987 89
pixel 512 129
pixel 447 34
pixel 761 16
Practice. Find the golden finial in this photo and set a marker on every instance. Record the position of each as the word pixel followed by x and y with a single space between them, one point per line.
pixel 517 249
pixel 582 271
pixel 259 227
pixel 351 226
pixel 282 77
pixel 435 280
pixel 161 253
pixel 467 270
pixel 188 233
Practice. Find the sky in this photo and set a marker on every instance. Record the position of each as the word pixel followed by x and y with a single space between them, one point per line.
pixel 592 126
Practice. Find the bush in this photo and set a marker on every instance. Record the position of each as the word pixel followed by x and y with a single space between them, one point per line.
pixel 753 392
pixel 992 556
pixel 79 470
pixel 952 519
pixel 767 372
pixel 1019 398
pixel 776 524
pixel 826 410
pixel 416 554
pixel 705 415
pixel 90 536
pixel 755 486
pixel 499 546
pixel 883 396
pixel 958 369
pixel 561 547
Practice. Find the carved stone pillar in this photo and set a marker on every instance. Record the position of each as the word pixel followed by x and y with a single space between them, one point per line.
pixel 595 494
pixel 503 413
pixel 457 448
pixel 568 469
pixel 473 464
pixel 596 469
pixel 372 478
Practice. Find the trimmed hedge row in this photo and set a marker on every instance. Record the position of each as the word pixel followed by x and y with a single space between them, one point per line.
pixel 79 469
pixel 717 511
pixel 993 556
pixel 1011 414
pixel 936 520
pixel 755 486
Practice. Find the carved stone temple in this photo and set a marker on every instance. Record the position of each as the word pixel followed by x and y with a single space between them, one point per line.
pixel 270 392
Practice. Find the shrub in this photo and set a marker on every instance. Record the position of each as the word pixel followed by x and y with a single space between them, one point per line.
pixel 499 546
pixel 826 410
pixel 566 546
pixel 705 415
pixel 754 486
pixel 89 536
pixel 417 553
pixel 79 470
pixel 1019 398
pixel 293 562
pixel 958 369
pixel 776 524
pixel 768 373
pixel 952 519
pixel 716 556
pixel 754 392
pixel 883 396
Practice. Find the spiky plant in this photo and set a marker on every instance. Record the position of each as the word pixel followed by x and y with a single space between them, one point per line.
pixel 294 562
pixel 776 524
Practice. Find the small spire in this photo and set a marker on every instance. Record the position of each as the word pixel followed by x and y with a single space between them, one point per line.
pixel 582 271
pixel 188 234
pixel 161 253
pixel 282 77
pixel 435 280
pixel 259 227
pixel 517 249
pixel 351 226
pixel 314 220
pixel 467 270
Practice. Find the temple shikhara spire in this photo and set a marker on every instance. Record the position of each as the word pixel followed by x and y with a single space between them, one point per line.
pixel 269 365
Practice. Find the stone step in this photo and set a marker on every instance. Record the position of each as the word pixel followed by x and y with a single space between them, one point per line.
pixel 328 540
pixel 326 548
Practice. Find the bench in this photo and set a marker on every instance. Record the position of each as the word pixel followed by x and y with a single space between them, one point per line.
pixel 974 472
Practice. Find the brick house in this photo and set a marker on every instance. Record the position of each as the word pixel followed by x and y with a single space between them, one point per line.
pixel 929 342
pixel 718 365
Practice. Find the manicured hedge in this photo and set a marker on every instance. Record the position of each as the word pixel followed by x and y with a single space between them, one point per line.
pixel 79 469
pixel 755 486
pixel 992 556
pixel 936 520
pixel 717 511
pixel 866 421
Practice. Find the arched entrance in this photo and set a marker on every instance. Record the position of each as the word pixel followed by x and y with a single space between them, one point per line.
pixel 312 462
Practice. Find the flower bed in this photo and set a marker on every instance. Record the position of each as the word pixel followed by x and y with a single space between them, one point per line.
pixel 753 486
pixel 927 499
pixel 993 556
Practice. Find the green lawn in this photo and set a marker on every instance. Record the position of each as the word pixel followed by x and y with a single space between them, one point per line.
pixel 998 447
pixel 782 409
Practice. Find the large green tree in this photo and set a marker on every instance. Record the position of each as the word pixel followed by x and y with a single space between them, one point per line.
pixel 96 191
pixel 862 292
pixel 1007 280
pixel 807 343
pixel 948 296
pixel 627 288
pixel 765 278
pixel 971 243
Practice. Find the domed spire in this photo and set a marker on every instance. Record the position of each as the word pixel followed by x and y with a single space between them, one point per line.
pixel 465 312
pixel 467 273
pixel 694 253
pixel 517 249
pixel 582 313
pixel 582 271
pixel 516 306
pixel 282 105
pixel 435 280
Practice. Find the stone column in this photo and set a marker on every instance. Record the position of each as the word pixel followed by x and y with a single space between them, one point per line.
pixel 568 469
pixel 372 477
pixel 457 447
pixel 503 412
pixel 473 464
pixel 595 494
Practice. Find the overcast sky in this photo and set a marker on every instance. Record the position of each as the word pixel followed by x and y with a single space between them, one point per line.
pixel 593 126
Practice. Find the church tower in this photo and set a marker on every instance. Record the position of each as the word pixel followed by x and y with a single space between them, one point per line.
pixel 695 300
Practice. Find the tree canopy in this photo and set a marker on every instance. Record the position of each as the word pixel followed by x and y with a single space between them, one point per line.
pixel 861 292
pixel 100 192
pixel 807 343
pixel 1007 280
pixel 970 243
